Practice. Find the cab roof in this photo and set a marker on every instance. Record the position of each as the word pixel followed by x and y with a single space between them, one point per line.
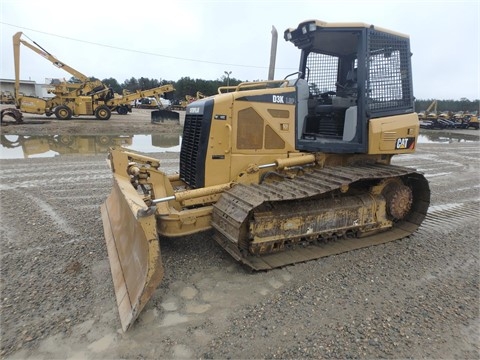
pixel 349 25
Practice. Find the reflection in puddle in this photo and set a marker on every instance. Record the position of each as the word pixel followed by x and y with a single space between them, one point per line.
pixel 20 146
pixel 155 143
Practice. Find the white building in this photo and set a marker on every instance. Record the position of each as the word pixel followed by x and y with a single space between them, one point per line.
pixel 27 87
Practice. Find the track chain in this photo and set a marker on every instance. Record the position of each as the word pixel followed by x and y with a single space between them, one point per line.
pixel 233 211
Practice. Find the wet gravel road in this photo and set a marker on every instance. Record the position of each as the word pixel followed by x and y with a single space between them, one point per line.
pixel 413 298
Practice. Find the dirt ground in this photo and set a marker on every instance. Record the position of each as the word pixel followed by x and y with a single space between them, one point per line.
pixel 413 298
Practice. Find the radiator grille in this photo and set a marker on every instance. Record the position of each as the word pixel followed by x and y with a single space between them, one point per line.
pixel 190 149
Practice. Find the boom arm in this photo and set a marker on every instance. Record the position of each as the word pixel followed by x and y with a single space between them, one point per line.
pixel 41 51
pixel 155 92
pixel 433 105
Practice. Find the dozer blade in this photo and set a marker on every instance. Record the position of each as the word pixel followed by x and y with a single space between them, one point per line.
pixel 159 116
pixel 133 249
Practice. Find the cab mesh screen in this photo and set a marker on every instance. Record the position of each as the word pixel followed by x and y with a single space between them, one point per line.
pixel 321 73
pixel 389 85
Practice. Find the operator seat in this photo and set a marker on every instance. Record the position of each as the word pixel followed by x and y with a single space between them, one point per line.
pixel 349 89
pixel 351 79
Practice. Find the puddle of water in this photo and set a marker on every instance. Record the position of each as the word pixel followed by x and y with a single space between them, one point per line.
pixel 23 147
pixel 446 138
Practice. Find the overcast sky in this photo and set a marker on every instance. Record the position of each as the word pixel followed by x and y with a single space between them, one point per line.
pixel 204 38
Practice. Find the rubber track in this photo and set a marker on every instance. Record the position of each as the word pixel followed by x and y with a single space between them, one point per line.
pixel 233 209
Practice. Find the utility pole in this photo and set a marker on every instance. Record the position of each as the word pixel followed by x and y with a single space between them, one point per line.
pixel 228 77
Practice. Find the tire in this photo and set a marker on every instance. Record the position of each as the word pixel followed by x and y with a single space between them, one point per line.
pixel 122 110
pixel 66 139
pixel 103 112
pixel 104 140
pixel 9 143
pixel 63 112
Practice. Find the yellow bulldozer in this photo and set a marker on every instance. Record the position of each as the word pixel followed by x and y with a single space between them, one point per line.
pixel 182 105
pixel 431 113
pixel 82 97
pixel 280 171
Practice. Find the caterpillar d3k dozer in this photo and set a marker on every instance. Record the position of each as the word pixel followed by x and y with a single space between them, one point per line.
pixel 283 171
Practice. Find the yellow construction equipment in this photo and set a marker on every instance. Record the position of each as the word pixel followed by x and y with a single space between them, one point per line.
pixel 283 171
pixel 182 105
pixel 470 121
pixel 431 112
pixel 6 97
pixel 82 97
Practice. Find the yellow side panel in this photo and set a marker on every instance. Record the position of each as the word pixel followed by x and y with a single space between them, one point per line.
pixel 83 106
pixel 32 105
pixel 250 129
pixel 217 162
pixel 273 140
pixel 393 134
pixel 248 132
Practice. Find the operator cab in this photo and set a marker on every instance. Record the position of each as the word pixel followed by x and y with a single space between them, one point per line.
pixel 349 74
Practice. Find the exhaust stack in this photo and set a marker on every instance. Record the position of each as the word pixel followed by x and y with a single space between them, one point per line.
pixel 273 54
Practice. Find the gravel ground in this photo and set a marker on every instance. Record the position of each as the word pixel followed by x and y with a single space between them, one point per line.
pixel 413 298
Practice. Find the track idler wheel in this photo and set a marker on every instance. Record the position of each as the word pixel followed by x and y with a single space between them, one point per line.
pixel 399 199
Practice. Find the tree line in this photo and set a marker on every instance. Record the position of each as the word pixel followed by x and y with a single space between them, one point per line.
pixel 188 86
pixel 449 105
